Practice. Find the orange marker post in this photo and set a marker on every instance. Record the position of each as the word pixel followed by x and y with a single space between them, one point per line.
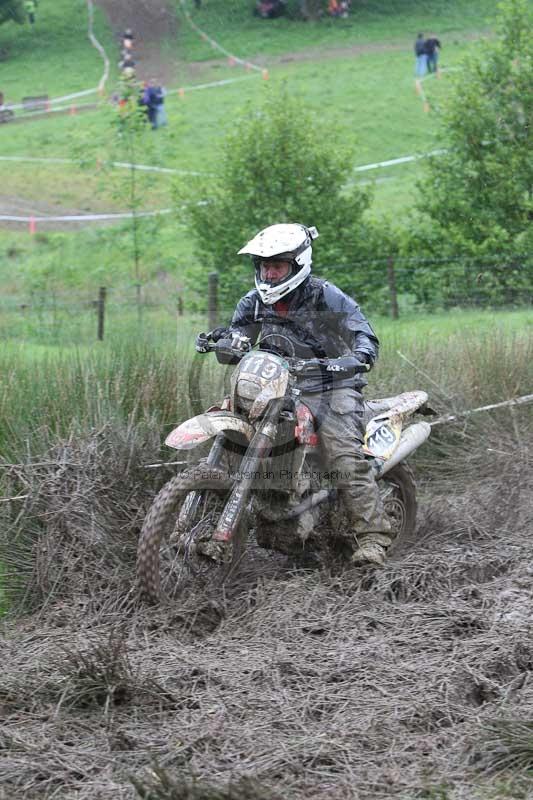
pixel 73 110
pixel 231 61
pixel 32 225
pixel 181 92
pixel 265 74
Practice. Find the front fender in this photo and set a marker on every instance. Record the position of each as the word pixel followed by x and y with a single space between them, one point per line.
pixel 203 427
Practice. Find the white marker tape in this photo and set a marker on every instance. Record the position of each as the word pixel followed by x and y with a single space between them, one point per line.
pixel 215 45
pixel 117 164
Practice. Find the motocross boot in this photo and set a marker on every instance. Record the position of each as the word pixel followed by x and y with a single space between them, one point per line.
pixel 371 529
pixel 370 552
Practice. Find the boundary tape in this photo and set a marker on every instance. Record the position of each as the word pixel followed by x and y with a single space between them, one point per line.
pixel 225 82
pixel 33 220
pixel 233 59
pixel 117 164
pixel 419 89
pixel 515 401
pixel 175 171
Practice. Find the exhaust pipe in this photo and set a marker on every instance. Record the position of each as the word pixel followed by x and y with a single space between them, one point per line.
pixel 411 438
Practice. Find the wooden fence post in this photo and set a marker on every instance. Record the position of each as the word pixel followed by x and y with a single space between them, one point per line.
pixel 180 306
pixel 212 300
pixel 101 312
pixel 392 288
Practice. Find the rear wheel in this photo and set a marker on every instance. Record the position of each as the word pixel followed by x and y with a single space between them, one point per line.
pixel 398 490
pixel 165 554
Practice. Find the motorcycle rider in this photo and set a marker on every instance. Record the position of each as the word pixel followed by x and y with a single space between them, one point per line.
pixel 321 322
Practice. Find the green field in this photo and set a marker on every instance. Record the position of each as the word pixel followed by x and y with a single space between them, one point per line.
pixel 56 57
pixel 356 73
pixel 393 21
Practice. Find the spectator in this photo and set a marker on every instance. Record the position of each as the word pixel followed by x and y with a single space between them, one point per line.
pixel 30 6
pixel 269 9
pixel 127 66
pixel 154 99
pixel 338 8
pixel 433 46
pixel 127 39
pixel 421 59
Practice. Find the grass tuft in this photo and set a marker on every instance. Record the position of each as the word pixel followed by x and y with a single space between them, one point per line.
pixel 165 786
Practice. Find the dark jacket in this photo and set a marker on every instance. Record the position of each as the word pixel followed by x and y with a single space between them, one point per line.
pixel 420 47
pixel 322 322
pixel 431 45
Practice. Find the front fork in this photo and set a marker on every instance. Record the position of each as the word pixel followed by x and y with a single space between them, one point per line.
pixel 259 448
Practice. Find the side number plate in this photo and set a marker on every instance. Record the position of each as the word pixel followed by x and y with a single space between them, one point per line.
pixel 382 442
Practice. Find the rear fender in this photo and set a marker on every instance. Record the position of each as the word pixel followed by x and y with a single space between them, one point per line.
pixel 205 426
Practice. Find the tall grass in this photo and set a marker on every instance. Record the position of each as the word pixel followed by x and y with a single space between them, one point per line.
pixel 89 387
pixel 78 431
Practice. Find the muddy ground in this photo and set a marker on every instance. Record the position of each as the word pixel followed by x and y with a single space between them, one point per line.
pixel 152 23
pixel 413 681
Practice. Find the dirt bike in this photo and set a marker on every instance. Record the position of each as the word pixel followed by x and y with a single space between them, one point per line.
pixel 264 473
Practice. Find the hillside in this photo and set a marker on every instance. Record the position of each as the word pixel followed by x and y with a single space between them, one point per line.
pixel 342 70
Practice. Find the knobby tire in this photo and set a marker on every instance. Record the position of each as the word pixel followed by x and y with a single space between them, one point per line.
pixel 163 511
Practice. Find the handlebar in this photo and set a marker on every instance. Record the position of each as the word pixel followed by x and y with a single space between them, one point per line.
pixel 232 350
pixel 337 366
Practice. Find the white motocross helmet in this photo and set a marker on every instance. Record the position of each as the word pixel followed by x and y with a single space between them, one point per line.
pixel 291 242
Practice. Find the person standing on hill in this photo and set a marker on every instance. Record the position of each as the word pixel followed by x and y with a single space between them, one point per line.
pixel 421 59
pixel 127 39
pixel 433 46
pixel 30 7
pixel 154 99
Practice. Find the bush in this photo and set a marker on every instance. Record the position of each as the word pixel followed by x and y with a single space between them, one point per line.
pixel 279 164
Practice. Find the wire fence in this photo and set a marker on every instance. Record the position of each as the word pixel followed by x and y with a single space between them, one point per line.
pixel 384 286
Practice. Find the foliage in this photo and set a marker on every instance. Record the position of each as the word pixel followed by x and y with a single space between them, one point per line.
pixel 475 238
pixel 478 195
pixel 12 11
pixel 126 138
pixel 279 163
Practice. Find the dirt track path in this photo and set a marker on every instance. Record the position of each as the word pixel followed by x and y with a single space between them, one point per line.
pixel 152 23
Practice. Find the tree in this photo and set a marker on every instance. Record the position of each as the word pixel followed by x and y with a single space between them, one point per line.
pixel 279 163
pixel 126 139
pixel 12 11
pixel 478 195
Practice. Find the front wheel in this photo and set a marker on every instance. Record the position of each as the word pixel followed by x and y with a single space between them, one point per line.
pixel 161 555
pixel 398 491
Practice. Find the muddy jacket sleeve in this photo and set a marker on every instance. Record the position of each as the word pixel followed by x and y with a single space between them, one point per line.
pixel 351 323
pixel 243 319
